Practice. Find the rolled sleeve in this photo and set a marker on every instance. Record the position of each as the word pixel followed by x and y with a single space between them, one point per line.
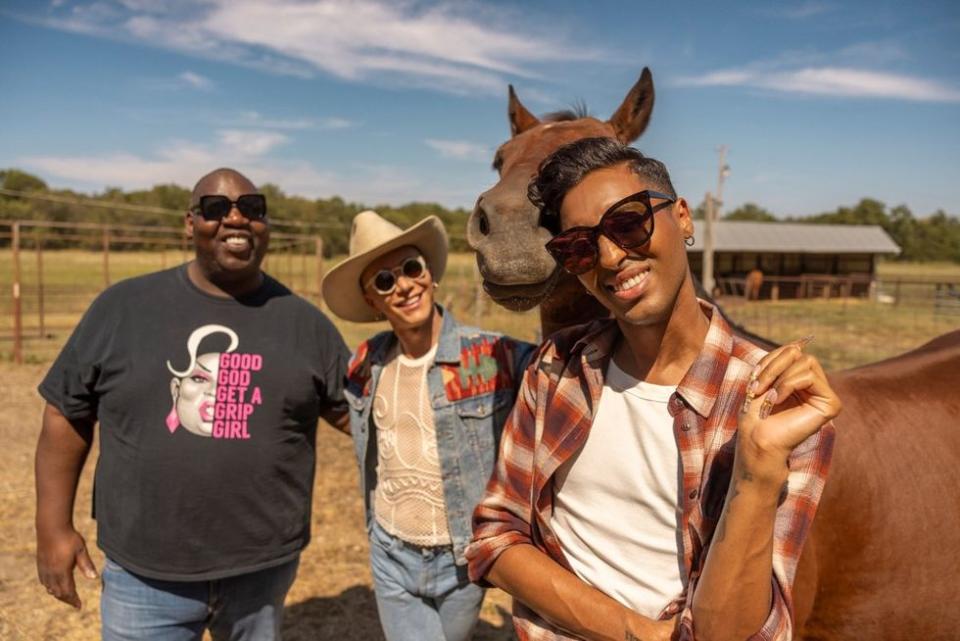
pixel 809 465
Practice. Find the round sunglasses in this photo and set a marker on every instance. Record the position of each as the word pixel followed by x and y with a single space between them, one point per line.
pixel 385 280
pixel 216 207
pixel 628 223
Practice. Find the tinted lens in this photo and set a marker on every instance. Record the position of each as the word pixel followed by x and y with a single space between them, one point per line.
pixel 412 268
pixel 214 207
pixel 629 226
pixel 384 281
pixel 575 251
pixel 252 206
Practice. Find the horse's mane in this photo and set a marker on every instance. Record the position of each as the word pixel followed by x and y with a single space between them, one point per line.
pixel 576 112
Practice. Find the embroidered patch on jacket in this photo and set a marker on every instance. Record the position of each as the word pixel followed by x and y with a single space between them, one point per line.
pixel 358 372
pixel 486 365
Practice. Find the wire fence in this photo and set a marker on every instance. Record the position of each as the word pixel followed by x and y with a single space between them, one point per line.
pixel 855 320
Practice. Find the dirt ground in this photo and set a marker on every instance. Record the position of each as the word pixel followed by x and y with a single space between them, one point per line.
pixel 331 598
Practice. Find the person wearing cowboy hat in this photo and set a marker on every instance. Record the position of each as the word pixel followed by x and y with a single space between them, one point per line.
pixel 428 399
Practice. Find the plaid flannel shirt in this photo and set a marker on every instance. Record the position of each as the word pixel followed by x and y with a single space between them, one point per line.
pixel 551 420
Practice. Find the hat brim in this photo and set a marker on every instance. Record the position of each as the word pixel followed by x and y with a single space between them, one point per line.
pixel 341 287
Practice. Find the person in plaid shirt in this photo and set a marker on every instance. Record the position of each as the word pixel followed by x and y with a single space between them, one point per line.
pixel 658 475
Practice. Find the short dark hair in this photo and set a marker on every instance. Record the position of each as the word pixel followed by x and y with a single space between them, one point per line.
pixel 563 170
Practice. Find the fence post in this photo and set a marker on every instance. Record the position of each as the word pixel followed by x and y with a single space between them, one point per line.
pixel 290 265
pixel 17 320
pixel 106 256
pixel 896 294
pixel 319 250
pixel 40 311
pixel 304 278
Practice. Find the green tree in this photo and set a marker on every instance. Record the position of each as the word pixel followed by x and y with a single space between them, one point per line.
pixel 750 211
pixel 21 181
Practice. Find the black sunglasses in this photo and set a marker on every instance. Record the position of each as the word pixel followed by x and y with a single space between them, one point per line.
pixel 385 280
pixel 217 207
pixel 628 224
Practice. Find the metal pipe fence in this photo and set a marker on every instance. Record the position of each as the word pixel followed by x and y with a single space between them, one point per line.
pixel 855 320
pixel 52 271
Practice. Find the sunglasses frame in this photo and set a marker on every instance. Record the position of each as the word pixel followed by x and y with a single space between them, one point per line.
pixel 597 230
pixel 199 207
pixel 396 272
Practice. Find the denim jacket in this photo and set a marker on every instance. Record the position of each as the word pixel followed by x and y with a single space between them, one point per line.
pixel 472 383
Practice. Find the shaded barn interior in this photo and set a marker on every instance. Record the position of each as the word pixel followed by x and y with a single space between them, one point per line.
pixel 797 260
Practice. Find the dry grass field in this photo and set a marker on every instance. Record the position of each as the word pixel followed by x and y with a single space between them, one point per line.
pixel 332 596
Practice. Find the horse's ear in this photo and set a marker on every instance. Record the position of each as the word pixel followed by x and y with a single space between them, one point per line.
pixel 520 118
pixel 633 116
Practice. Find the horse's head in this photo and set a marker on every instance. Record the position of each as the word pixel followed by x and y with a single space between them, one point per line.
pixel 504 228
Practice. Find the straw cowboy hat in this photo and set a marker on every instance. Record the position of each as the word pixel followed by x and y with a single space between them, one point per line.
pixel 372 236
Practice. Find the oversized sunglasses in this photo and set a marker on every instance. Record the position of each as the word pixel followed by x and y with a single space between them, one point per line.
pixel 385 280
pixel 217 207
pixel 628 224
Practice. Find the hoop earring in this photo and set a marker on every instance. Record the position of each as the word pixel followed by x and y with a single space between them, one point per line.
pixel 436 284
pixel 689 241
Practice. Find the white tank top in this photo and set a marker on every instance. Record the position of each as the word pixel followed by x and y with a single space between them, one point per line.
pixel 616 505
pixel 408 502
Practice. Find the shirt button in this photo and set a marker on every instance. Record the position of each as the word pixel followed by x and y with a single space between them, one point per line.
pixel 693 494
pixel 685 427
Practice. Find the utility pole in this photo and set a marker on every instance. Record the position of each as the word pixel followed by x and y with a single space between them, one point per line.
pixel 712 214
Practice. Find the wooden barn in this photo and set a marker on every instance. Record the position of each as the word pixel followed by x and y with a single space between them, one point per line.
pixel 797 260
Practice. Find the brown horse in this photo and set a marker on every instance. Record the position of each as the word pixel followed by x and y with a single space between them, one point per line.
pixel 883 559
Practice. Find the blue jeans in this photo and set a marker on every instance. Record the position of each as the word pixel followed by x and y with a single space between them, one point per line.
pixel 422 595
pixel 248 607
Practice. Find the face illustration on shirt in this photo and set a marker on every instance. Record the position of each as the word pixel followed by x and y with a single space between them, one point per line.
pixel 194 395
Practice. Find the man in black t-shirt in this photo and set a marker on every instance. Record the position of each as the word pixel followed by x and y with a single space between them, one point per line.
pixel 207 380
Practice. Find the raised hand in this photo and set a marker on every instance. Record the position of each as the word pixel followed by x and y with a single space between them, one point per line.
pixel 788 399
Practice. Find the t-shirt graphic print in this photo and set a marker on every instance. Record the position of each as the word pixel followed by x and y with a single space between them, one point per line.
pixel 215 395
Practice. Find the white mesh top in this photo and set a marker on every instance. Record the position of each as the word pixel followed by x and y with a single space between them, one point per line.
pixel 408 502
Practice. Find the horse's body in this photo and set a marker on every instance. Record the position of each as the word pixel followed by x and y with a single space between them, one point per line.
pixel 883 559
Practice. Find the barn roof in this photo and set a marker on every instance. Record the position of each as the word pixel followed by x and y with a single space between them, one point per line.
pixel 803 238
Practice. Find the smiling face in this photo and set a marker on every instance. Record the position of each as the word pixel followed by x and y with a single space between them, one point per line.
pixel 194 395
pixel 410 304
pixel 229 250
pixel 639 286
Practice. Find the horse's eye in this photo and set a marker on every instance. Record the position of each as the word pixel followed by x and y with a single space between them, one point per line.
pixel 498 162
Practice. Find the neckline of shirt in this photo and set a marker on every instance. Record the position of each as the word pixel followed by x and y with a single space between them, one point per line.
pixel 620 381
pixel 408 361
pixel 247 299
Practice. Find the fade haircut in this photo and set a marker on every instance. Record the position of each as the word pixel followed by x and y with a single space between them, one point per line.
pixel 563 170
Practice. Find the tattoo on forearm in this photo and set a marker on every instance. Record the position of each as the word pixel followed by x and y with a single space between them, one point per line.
pixel 630 636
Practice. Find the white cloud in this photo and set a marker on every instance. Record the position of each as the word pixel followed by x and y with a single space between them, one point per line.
pixel 395 43
pixel 830 81
pixel 195 80
pixel 460 149
pixel 244 143
pixel 183 162
pixel 255 119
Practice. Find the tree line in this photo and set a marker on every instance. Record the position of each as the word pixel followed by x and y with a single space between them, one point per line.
pixel 933 238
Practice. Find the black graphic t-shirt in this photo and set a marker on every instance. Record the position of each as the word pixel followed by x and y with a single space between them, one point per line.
pixel 208 412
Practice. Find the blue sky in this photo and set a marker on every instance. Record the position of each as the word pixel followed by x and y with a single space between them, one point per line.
pixel 379 101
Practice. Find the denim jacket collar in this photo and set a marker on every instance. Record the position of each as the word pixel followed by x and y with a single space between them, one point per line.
pixel 448 348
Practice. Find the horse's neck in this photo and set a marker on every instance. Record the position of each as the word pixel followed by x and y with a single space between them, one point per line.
pixel 569 304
